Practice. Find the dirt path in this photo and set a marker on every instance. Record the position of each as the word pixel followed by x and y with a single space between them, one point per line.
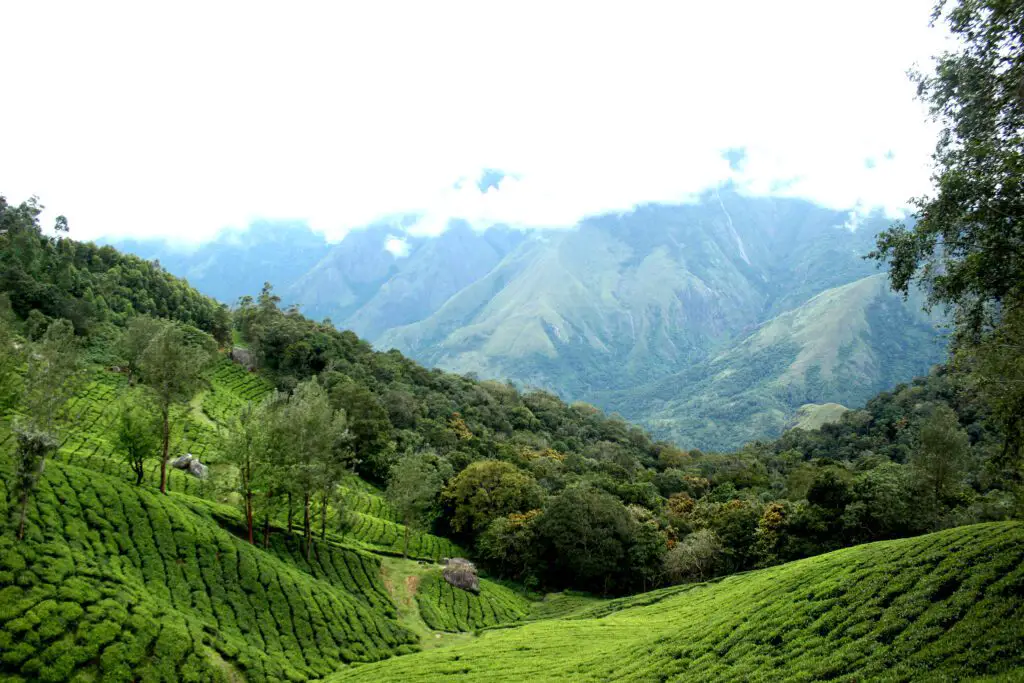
pixel 402 580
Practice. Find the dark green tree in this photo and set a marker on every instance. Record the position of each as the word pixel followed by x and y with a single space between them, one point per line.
pixel 967 242
pixel 940 455
pixel 137 434
pixel 486 491
pixel 172 367
pixel 966 246
pixel 413 490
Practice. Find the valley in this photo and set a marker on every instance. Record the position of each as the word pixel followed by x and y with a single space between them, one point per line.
pixel 648 313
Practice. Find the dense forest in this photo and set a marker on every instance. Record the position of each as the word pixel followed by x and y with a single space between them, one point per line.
pixel 548 494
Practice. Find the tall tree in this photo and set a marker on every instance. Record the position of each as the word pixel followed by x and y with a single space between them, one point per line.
pixel 29 459
pixel 488 490
pixel 137 434
pixel 966 247
pixel 413 490
pixel 51 378
pixel 172 366
pixel 967 243
pixel 140 332
pixel 247 445
pixel 941 453
pixel 12 357
pixel 313 430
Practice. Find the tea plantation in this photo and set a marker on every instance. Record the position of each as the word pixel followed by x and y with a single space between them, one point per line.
pixel 946 606
pixel 121 583
pixel 446 608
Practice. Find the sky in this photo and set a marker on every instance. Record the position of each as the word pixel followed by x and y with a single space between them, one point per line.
pixel 182 119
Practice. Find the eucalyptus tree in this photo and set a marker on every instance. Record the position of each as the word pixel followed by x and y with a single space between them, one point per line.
pixel 172 366
pixel 53 373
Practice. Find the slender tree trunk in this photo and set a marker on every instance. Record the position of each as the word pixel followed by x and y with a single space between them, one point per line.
pixel 323 518
pixel 405 548
pixel 289 512
pixel 167 446
pixel 24 514
pixel 248 515
pixel 139 471
pixel 307 527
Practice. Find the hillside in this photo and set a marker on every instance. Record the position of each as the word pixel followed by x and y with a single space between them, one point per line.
pixel 838 347
pixel 122 582
pixel 327 460
pixel 946 606
pixel 606 311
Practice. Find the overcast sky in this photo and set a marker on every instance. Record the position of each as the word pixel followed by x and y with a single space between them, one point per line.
pixel 183 121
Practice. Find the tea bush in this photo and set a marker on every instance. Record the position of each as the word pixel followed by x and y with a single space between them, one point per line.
pixel 119 583
pixel 946 606
pixel 447 608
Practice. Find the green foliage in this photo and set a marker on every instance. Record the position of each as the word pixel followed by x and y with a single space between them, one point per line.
pixel 172 366
pixel 586 537
pixel 965 242
pixel 447 608
pixel 413 490
pixel 117 582
pixel 939 458
pixel 90 286
pixel 946 606
pixel 488 490
pixel 137 435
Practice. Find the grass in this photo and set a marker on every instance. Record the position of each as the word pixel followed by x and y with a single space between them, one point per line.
pixel 118 583
pixel 947 606
pixel 403 578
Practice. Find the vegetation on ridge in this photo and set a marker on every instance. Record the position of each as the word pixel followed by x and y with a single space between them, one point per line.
pixel 946 606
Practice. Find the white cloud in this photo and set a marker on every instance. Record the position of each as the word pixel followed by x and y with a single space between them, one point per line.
pixel 398 246
pixel 185 120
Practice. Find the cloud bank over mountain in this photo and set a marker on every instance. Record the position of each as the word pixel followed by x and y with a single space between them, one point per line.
pixel 340 115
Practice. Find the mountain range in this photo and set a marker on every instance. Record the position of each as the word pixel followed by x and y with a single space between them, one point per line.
pixel 710 323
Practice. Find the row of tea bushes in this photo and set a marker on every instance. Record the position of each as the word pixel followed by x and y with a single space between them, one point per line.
pixel 447 608
pixel 117 582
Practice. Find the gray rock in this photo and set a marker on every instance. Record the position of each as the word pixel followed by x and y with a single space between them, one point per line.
pixel 198 469
pixel 183 462
pixel 461 573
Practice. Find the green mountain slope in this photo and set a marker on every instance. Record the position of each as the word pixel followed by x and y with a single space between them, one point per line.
pixel 947 606
pixel 122 583
pixel 609 307
pixel 844 345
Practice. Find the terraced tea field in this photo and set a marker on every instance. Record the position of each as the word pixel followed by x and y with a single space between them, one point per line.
pixel 381 535
pixel 446 608
pixel 119 583
pixel 231 387
pixel 946 606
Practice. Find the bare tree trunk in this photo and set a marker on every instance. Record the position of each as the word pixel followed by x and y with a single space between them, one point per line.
pixel 167 446
pixel 289 512
pixel 405 548
pixel 24 514
pixel 323 518
pixel 307 527
pixel 248 514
